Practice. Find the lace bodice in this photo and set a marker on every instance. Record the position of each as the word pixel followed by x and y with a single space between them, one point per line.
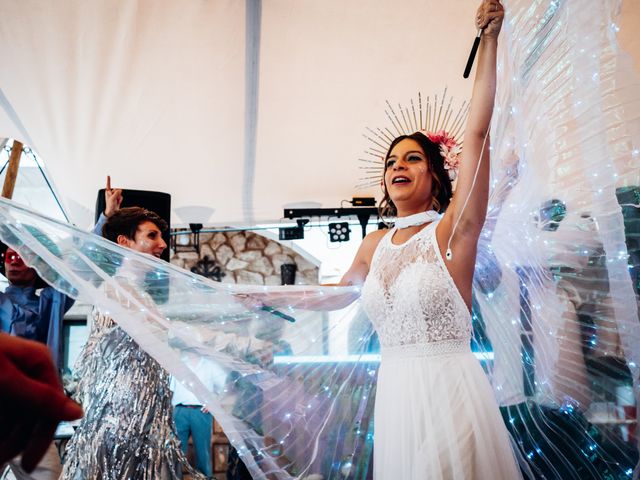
pixel 409 295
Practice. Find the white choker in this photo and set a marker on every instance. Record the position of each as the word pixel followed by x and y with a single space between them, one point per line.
pixel 417 219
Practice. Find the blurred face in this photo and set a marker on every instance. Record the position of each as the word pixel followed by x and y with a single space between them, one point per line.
pixel 407 177
pixel 17 272
pixel 148 239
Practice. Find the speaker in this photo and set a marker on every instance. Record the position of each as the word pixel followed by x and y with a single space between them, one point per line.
pixel 157 202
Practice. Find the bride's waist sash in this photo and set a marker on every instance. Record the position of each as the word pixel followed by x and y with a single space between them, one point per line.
pixel 430 349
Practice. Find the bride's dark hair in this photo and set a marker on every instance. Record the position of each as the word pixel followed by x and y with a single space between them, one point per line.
pixel 441 188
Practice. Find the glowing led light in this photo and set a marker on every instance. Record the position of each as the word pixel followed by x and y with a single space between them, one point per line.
pixel 366 358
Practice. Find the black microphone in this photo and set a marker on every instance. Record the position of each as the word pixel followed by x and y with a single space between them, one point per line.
pixel 277 313
pixel 268 309
pixel 472 54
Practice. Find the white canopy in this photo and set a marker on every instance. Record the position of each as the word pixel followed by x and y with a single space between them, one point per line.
pixel 237 106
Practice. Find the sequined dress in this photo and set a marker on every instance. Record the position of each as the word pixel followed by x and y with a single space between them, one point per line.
pixel 435 413
pixel 127 431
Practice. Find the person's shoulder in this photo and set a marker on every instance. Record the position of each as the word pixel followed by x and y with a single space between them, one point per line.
pixel 369 244
pixel 372 239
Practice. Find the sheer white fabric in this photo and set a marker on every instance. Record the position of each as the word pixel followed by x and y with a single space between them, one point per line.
pixel 556 289
pixel 435 413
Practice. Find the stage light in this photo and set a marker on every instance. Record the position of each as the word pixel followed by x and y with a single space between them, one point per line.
pixel 552 212
pixel 339 232
pixel 291 233
pixel 294 233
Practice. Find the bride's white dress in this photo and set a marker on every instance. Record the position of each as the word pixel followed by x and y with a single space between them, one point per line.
pixel 435 413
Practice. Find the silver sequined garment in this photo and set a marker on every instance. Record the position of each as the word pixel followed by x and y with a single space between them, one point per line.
pixel 127 431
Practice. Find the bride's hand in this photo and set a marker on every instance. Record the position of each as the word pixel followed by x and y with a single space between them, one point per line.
pixel 489 16
pixel 251 301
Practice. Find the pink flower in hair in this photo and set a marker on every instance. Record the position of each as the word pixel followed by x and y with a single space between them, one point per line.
pixel 442 138
pixel 449 149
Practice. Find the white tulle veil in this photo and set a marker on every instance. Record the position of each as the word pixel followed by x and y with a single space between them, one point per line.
pixel 555 295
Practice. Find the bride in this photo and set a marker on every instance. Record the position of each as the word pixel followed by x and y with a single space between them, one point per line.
pixel 435 413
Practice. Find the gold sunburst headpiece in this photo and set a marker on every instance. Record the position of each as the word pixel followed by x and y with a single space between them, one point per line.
pixel 437 122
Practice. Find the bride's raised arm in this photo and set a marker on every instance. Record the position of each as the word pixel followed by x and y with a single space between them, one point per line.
pixel 476 138
pixel 469 204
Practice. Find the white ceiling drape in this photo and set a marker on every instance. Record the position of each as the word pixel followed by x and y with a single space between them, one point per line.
pixel 162 95
pixel 149 92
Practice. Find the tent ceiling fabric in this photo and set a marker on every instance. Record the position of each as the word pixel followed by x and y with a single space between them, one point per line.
pixel 149 92
pixel 328 68
pixel 154 93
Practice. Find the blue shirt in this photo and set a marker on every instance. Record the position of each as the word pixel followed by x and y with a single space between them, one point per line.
pixel 26 314
pixel 97 228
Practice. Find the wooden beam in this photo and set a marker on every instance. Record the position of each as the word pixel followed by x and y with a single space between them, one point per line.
pixel 12 170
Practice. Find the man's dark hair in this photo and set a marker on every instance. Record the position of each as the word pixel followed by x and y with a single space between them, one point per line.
pixel 126 221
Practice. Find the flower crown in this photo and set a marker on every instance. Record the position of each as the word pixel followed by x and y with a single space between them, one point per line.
pixel 436 120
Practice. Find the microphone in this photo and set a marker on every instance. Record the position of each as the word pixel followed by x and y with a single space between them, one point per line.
pixel 266 308
pixel 277 313
pixel 472 54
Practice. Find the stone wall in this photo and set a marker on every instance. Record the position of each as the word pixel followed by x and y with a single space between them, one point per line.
pixel 241 257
